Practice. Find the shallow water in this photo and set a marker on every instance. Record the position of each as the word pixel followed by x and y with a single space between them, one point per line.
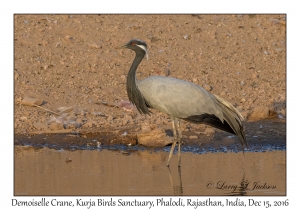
pixel 46 171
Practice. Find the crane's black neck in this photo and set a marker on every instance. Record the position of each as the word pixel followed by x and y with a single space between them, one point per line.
pixel 134 94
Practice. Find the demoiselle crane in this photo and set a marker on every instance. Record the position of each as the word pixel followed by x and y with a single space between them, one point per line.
pixel 180 100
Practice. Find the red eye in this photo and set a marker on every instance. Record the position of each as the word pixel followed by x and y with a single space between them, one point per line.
pixel 133 43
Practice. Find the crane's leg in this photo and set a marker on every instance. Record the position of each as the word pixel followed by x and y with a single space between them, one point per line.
pixel 174 140
pixel 179 141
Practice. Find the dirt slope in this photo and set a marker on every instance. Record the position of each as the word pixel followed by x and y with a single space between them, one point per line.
pixel 72 64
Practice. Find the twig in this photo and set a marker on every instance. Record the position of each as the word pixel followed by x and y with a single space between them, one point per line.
pixel 47 110
pixel 52 132
pixel 40 107
pixel 107 104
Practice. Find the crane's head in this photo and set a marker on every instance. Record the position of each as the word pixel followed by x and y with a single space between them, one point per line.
pixel 137 45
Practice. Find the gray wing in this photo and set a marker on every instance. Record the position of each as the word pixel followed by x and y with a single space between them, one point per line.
pixel 178 98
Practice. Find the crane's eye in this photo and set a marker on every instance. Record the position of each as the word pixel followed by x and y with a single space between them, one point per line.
pixel 133 43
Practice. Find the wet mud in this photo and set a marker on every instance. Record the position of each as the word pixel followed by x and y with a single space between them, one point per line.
pixel 261 136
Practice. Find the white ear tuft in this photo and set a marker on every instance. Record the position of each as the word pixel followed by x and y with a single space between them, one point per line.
pixel 143 48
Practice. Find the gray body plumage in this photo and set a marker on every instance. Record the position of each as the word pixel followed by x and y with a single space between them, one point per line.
pixel 178 98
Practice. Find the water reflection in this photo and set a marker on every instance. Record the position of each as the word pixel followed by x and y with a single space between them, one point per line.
pixel 241 190
pixel 82 172
pixel 177 185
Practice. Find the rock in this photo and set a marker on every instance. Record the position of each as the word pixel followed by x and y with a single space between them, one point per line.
pixel 23 118
pixel 28 101
pixel 207 87
pixel 187 36
pixel 167 72
pixel 261 112
pixel 154 138
pixel 109 118
pixel 40 126
pixel 89 124
pixel 209 130
pixel 93 45
pixel 73 126
pixel 126 105
pixel 56 126
pixel 254 76
pixel 193 137
pixel 242 100
pixel 16 76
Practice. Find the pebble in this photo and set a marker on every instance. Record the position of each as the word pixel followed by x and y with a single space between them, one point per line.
pixel 209 130
pixel 186 36
pixel 167 72
pixel 16 76
pixel 207 87
pixel 124 134
pixel 23 118
pixel 242 100
pixel 28 101
pixel 229 137
pixel 40 125
pixel 254 76
pixel 94 46
pixel 56 126
pixel 193 137
pixel 154 138
pixel 89 124
pixel 109 118
pixel 259 112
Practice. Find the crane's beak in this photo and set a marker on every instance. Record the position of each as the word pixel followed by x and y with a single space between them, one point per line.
pixel 123 46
